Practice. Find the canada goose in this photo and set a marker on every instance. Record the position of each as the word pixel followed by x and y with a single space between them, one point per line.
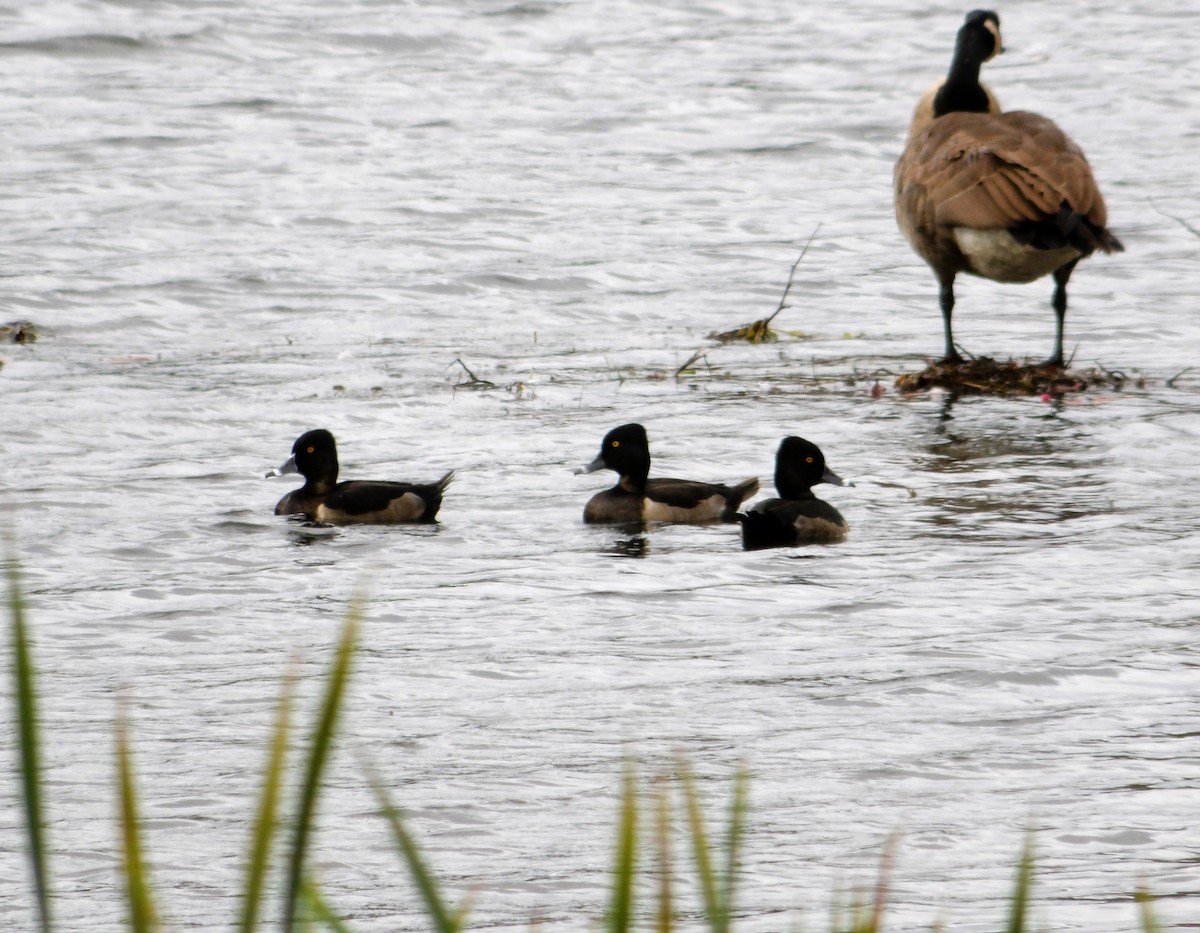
pixel 1006 196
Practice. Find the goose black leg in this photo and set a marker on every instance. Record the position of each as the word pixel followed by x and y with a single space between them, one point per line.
pixel 946 297
pixel 1061 276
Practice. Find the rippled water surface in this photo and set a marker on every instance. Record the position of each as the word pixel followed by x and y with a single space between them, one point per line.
pixel 234 222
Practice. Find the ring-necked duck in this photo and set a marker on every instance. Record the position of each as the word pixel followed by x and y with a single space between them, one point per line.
pixel 638 499
pixel 323 499
pixel 797 516
pixel 1005 196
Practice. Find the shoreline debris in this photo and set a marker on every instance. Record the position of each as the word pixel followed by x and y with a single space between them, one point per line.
pixel 985 376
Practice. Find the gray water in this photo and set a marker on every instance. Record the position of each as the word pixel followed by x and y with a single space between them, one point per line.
pixel 235 222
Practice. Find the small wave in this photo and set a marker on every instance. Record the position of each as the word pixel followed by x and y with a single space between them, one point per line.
pixel 88 44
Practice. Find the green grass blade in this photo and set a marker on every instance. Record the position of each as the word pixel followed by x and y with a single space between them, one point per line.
pixel 1020 899
pixel 873 923
pixel 268 813
pixel 142 916
pixel 25 692
pixel 733 840
pixel 444 920
pixel 316 908
pixel 1145 901
pixel 708 879
pixel 322 741
pixel 665 905
pixel 620 911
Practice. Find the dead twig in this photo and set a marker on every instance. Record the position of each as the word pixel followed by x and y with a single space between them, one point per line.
pixel 1179 220
pixel 694 358
pixel 472 381
pixel 520 390
pixel 1170 383
pixel 760 331
pixel 792 273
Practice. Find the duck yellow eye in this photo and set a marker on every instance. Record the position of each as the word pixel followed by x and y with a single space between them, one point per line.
pixel 311 450
pixel 616 443
pixel 808 459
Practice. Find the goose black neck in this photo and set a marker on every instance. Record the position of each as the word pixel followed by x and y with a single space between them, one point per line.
pixel 962 91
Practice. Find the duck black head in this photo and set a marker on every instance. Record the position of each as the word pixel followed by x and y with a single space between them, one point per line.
pixel 800 465
pixel 314 456
pixel 627 451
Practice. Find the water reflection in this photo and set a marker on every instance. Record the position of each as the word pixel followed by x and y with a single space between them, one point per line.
pixel 957 445
pixel 946 407
pixel 1003 470
pixel 636 545
pixel 1053 405
pixel 311 533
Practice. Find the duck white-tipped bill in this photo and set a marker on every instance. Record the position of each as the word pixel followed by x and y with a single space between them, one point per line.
pixel 288 466
pixel 597 464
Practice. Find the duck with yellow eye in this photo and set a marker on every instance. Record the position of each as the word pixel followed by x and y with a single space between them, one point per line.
pixel 367 502
pixel 797 516
pixel 636 498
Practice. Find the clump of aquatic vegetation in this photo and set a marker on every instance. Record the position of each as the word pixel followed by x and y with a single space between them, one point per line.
pixel 305 905
pixel 985 376
pixel 18 332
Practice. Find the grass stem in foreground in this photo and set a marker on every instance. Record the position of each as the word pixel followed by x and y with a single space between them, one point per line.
pixel 620 911
pixel 268 813
pixel 733 839
pixel 717 891
pixel 708 884
pixel 25 692
pixel 316 908
pixel 1145 901
pixel 1018 916
pixel 444 919
pixel 663 829
pixel 322 741
pixel 142 916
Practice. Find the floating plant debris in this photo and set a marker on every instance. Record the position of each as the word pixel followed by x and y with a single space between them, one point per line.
pixel 18 332
pixel 985 376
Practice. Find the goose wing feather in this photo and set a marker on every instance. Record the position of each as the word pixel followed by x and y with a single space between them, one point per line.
pixel 988 171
